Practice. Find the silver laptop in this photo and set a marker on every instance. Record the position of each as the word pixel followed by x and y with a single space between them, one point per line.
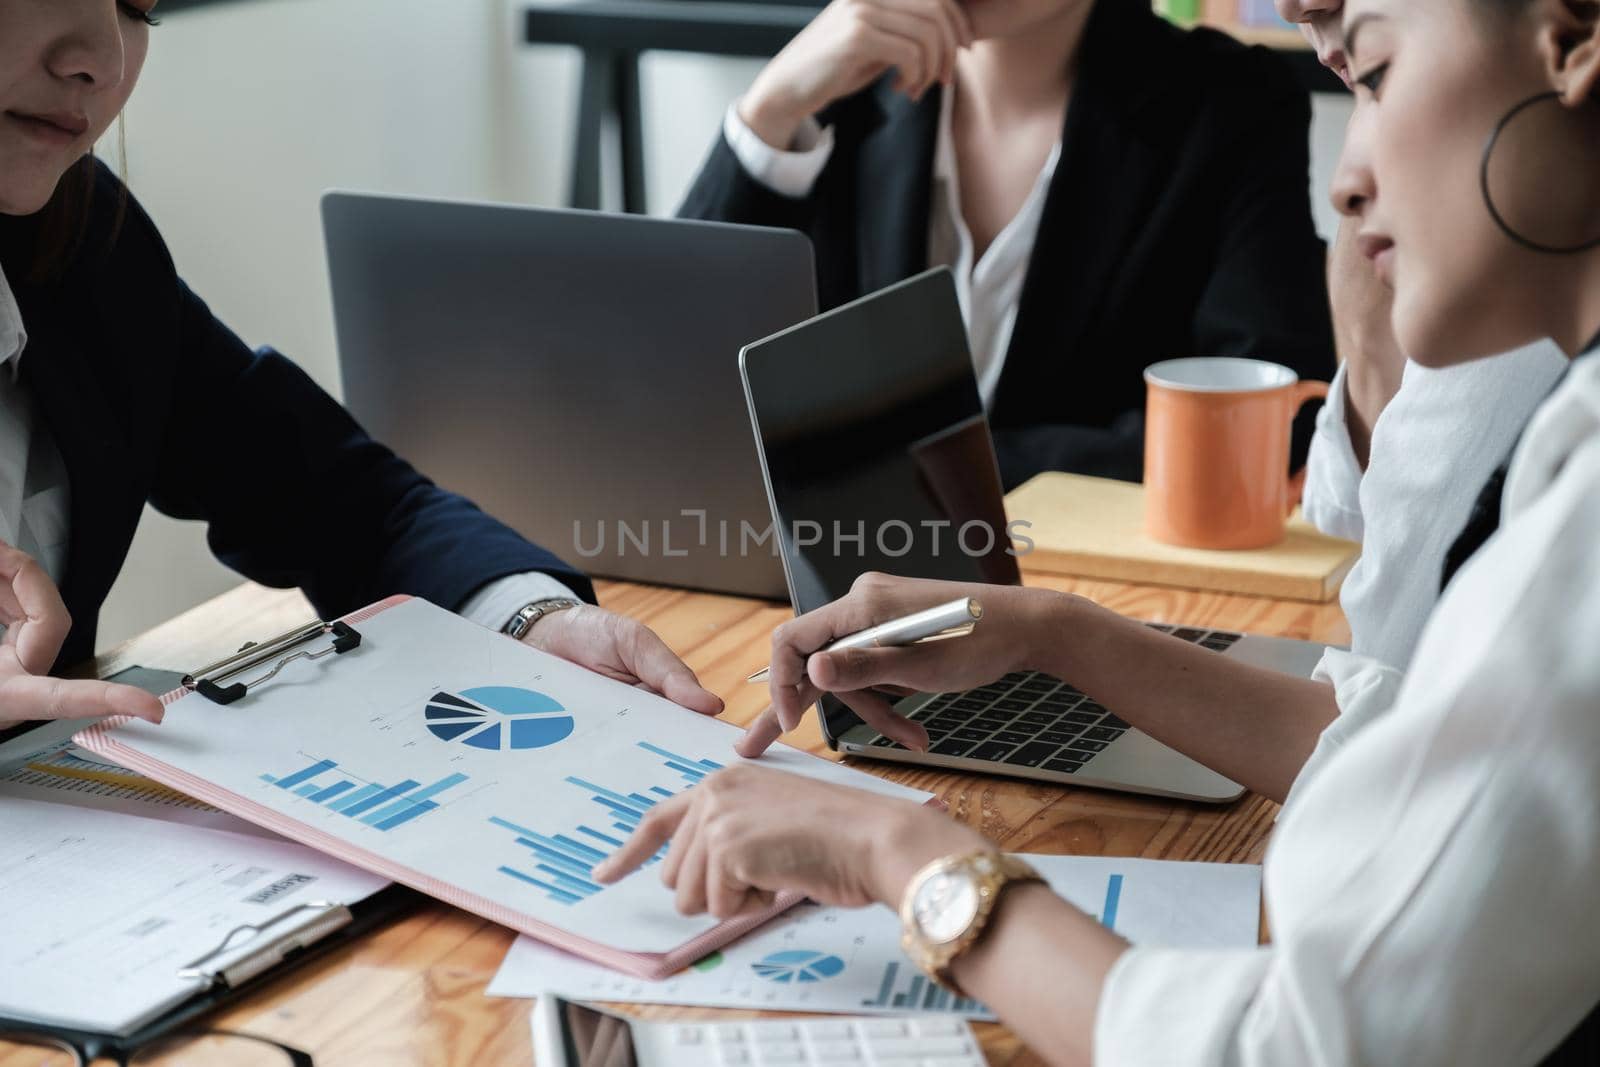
pixel 877 456
pixel 573 373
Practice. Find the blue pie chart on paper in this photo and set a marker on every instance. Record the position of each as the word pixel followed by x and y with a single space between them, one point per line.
pixel 498 717
pixel 798 965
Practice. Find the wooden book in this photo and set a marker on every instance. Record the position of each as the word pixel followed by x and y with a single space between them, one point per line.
pixel 1094 528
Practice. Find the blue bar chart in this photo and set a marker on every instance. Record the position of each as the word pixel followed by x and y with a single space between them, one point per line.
pixel 1108 912
pixel 382 807
pixel 563 863
pixel 917 993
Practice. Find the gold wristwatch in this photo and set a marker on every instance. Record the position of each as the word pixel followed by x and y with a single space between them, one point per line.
pixel 948 904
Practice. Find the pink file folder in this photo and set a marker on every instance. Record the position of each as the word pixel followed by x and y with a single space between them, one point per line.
pixel 102 739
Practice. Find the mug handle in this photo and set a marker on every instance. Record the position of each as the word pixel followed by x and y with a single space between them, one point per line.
pixel 1304 393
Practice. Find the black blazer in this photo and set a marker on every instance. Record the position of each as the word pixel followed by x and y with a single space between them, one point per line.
pixel 150 399
pixel 1178 224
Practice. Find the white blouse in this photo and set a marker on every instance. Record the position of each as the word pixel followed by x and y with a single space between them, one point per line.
pixel 1432 880
pixel 989 287
pixel 1433 448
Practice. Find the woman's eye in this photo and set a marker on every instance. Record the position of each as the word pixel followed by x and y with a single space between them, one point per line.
pixel 139 14
pixel 1373 78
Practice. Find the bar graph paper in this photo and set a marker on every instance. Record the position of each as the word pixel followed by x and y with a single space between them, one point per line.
pixel 562 864
pixel 382 807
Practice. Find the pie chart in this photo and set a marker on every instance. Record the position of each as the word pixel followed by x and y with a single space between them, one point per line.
pixel 798 965
pixel 498 717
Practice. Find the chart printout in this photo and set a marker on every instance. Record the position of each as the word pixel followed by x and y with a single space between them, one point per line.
pixel 475 760
pixel 820 959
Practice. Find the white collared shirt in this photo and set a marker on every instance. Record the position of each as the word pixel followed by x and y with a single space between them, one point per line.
pixel 1430 884
pixel 34 497
pixel 989 287
pixel 34 491
pixel 1432 450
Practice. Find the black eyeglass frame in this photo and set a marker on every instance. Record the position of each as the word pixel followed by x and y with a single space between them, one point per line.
pixel 88 1049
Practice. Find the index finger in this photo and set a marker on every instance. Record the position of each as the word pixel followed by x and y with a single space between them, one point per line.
pixel 760 735
pixel 655 830
pixel 34 696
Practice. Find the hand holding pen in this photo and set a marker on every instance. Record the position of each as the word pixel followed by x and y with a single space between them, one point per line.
pixel 847 649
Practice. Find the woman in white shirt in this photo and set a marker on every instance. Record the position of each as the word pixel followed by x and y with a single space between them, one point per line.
pixel 1109 191
pixel 1400 449
pixel 1431 881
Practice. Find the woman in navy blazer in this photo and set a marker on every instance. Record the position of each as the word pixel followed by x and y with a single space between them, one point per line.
pixel 137 394
pixel 1176 222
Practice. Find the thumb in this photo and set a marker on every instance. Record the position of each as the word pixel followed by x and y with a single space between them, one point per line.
pixel 847 670
pixel 683 687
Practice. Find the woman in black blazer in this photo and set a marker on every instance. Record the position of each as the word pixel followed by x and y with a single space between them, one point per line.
pixel 1175 221
pixel 118 387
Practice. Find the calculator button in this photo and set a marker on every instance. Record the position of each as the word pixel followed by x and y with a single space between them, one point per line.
pixel 827 1030
pixel 781 1053
pixel 733 1056
pixel 835 1052
pixel 897 1049
pixel 934 1047
pixel 775 1032
pixel 876 1028
pixel 689 1035
pixel 940 1028
pixel 729 1035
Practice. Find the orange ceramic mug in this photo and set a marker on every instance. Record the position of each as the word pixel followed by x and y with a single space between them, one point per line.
pixel 1217 448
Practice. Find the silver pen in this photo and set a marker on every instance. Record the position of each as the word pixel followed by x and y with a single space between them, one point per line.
pixel 955 619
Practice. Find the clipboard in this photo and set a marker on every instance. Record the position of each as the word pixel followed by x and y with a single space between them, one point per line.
pixel 297 681
pixel 292 939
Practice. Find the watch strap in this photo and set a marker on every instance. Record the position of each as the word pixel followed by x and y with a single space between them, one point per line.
pixel 518 625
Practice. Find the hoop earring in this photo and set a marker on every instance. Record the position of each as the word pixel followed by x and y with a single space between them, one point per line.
pixel 1488 198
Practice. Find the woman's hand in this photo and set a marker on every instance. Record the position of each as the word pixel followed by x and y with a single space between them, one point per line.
pixel 747 833
pixel 1362 313
pixel 846 48
pixel 1016 623
pixel 36 623
pixel 621 648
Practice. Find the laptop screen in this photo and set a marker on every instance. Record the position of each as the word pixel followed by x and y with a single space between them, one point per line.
pixel 876 449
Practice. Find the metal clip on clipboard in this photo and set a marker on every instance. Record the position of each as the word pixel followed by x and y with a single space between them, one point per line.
pixel 237 959
pixel 210 681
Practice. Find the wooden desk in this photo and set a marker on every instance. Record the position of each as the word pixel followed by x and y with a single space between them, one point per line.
pixel 413 993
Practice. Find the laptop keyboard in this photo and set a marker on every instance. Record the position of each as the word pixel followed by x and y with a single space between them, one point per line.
pixel 1029 719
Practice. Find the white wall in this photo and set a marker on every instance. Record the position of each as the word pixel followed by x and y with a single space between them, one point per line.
pixel 249 111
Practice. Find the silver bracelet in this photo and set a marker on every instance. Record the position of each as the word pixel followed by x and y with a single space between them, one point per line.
pixel 520 623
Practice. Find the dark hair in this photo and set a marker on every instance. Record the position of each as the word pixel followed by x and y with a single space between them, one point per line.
pixel 40 248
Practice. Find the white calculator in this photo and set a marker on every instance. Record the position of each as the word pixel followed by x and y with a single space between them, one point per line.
pixel 569 1034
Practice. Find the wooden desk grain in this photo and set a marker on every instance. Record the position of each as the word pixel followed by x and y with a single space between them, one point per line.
pixel 413 993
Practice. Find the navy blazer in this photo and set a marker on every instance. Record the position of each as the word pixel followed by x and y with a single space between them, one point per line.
pixel 1178 224
pixel 150 399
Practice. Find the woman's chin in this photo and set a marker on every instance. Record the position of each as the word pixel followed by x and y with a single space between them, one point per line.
pixel 20 197
pixel 1437 334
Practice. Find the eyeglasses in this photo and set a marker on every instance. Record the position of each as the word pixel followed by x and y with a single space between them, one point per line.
pixel 194 1048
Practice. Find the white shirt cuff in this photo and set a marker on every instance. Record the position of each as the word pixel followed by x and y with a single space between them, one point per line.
pixel 1164 1006
pixel 1332 500
pixel 494 604
pixel 793 173
pixel 1364 689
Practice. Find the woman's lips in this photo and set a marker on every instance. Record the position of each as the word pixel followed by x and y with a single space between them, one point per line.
pixel 62 128
pixel 1380 250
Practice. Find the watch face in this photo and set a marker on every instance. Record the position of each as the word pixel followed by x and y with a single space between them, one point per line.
pixel 945 905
